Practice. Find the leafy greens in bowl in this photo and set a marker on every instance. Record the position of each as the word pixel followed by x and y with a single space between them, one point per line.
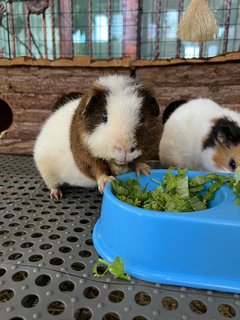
pixel 177 192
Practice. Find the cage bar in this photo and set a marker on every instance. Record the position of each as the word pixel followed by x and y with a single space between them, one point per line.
pixel 53 28
pixel 158 15
pixel 180 12
pixel 44 31
pixel 12 28
pixel 227 23
pixel 109 14
pixel 90 28
pixel 28 32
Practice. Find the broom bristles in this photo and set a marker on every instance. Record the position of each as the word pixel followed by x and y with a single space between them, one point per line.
pixel 198 24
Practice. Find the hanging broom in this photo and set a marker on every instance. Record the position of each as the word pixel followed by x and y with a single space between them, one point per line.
pixel 198 24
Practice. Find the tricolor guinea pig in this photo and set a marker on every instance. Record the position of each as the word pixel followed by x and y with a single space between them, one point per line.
pixel 200 135
pixel 114 127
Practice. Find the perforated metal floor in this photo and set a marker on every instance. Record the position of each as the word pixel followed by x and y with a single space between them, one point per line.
pixel 47 254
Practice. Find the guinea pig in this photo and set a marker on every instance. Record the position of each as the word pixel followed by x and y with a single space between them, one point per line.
pixel 113 128
pixel 200 135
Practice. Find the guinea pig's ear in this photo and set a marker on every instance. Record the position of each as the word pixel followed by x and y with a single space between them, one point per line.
pixel 171 108
pixel 149 101
pixel 228 133
pixel 93 100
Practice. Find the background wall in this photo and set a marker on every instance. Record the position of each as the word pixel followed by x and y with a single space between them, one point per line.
pixel 31 92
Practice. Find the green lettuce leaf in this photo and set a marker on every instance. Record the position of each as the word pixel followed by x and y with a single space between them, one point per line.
pixel 116 268
pixel 177 192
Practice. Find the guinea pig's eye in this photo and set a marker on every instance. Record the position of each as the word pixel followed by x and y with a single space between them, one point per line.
pixel 104 116
pixel 232 164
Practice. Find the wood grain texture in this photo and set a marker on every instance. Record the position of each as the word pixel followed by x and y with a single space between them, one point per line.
pixel 220 82
pixel 32 91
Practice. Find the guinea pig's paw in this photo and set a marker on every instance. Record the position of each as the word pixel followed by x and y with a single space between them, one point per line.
pixel 142 168
pixel 56 193
pixel 103 180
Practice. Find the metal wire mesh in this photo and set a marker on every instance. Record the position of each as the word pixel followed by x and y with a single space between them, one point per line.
pixel 107 29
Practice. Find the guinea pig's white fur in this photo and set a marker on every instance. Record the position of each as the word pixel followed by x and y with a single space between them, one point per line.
pixel 52 151
pixel 71 148
pixel 193 139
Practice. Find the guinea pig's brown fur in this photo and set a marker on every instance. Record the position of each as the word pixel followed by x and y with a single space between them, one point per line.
pixel 84 121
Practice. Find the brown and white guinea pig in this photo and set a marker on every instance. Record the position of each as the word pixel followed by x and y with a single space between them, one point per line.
pixel 200 135
pixel 114 127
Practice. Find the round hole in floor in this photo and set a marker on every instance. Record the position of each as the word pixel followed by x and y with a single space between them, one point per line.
pixel 85 253
pixel 83 313
pixel 56 307
pixel 8 243
pixel 15 256
pixel 45 246
pixel 101 269
pixel 19 233
pixel 72 239
pixel 90 292
pixel 27 245
pixel 61 228
pixel 89 242
pixel 19 276
pixel 142 298
pixel 43 280
pixel 2 271
pixel 36 235
pixel 116 296
pixel 35 258
pixel 226 310
pixel 56 261
pixel 66 286
pixel 54 236
pixel 6 295
pixel 65 249
pixel 45 227
pixel 30 301
pixel 111 316
pixel 198 307
pixel 77 266
pixel 78 229
pixel 3 232
pixel 169 303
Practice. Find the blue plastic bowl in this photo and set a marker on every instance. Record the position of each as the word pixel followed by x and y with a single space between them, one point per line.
pixel 194 249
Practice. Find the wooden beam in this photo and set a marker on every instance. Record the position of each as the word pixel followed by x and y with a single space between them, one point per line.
pixel 126 62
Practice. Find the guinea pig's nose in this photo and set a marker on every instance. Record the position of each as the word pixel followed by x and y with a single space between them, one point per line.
pixel 132 149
